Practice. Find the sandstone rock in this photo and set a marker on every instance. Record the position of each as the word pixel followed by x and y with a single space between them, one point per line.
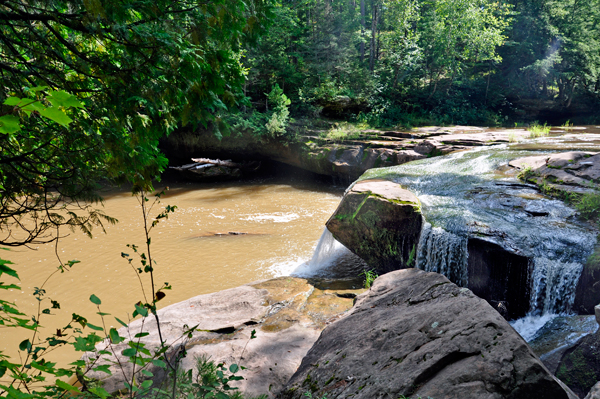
pixel 558 335
pixel 416 334
pixel 287 314
pixel 594 393
pixel 579 367
pixel 587 292
pixel 380 222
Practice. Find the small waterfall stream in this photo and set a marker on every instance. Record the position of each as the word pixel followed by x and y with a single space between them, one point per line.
pixel 465 196
pixel 443 252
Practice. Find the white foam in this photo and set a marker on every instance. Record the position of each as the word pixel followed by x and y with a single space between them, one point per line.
pixel 528 326
pixel 277 217
pixel 327 251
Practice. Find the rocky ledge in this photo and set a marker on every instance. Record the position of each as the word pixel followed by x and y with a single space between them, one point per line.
pixel 286 313
pixel 380 222
pixel 562 173
pixel 419 335
pixel 413 333
pixel 342 158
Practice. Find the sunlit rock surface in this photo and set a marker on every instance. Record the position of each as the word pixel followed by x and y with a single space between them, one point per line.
pixel 287 314
pixel 416 334
pixel 379 221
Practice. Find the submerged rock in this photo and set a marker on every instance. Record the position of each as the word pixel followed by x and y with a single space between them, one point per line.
pixel 380 222
pixel 287 314
pixel 416 334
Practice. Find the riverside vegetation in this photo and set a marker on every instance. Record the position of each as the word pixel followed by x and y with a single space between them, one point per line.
pixel 90 87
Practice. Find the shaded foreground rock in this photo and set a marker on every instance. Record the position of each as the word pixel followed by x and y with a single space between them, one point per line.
pixel 379 221
pixel 287 314
pixel 579 366
pixel 417 334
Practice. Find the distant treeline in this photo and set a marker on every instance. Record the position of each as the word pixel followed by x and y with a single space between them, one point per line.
pixel 389 62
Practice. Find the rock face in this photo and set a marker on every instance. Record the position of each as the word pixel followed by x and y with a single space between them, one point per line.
pixel 579 367
pixel 346 159
pixel 380 222
pixel 287 314
pixel 416 334
pixel 566 173
pixel 570 172
pixel 594 392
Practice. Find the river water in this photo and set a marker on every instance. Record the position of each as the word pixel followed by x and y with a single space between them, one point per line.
pixel 282 220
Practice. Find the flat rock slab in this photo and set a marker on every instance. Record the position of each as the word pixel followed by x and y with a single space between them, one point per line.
pixel 416 334
pixel 286 313
pixel 380 222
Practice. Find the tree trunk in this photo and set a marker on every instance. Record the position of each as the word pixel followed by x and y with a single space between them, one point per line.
pixel 362 30
pixel 373 35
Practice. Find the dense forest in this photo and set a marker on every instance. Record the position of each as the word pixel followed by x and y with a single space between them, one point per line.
pixel 410 62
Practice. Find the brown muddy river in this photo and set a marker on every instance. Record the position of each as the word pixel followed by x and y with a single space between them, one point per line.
pixel 193 249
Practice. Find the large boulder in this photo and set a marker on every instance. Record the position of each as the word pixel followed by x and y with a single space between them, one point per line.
pixel 380 222
pixel 419 335
pixel 286 313
pixel 579 366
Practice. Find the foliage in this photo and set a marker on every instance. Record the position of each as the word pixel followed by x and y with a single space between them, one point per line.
pixel 272 123
pixel 209 380
pixel 588 205
pixel 526 173
pixel 140 69
pixel 369 276
pixel 33 376
pixel 537 130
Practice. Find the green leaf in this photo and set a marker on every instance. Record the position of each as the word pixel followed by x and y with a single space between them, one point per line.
pixel 93 327
pixel 66 387
pixel 129 352
pixel 121 322
pixel 101 392
pixel 141 310
pixel 234 368
pixel 9 124
pixel 57 115
pixel 147 384
pixel 64 99
pixel 12 101
pixel 147 373
pixel 6 269
pixel 95 300
pixel 141 335
pixel 159 363
pixel 78 363
pixel 25 345
pixel 105 368
pixel 115 338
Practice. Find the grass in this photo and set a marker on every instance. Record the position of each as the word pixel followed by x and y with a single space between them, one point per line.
pixel 341 131
pixel 512 137
pixel 588 205
pixel 370 277
pixel 568 125
pixel 537 130
pixel 525 173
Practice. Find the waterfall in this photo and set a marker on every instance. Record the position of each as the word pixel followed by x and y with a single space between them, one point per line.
pixel 554 284
pixel 443 252
pixel 327 251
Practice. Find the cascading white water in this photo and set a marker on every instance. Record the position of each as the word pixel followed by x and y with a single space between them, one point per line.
pixel 327 252
pixel 443 252
pixel 464 195
pixel 554 285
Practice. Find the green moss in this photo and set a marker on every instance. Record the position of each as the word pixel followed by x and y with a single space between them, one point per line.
pixel 579 373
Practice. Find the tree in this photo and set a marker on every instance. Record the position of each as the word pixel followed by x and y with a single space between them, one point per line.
pixel 140 68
